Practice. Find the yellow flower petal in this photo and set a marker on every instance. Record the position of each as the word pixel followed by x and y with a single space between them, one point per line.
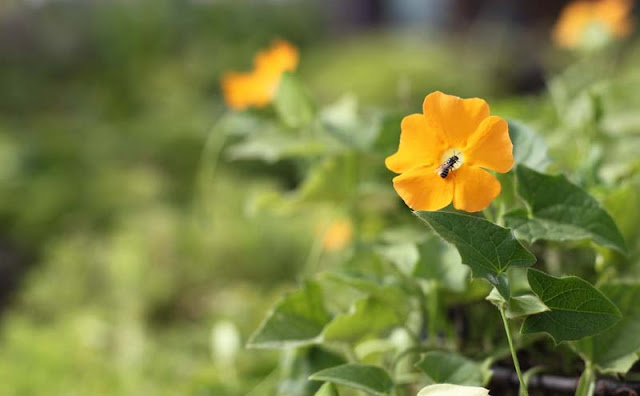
pixel 612 15
pixel 338 235
pixel 237 89
pixel 419 145
pixel 280 57
pixel 258 87
pixel 454 118
pixel 422 188
pixel 474 189
pixel 490 146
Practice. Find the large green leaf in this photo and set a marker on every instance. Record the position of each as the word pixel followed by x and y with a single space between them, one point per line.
pixel 578 309
pixel 485 247
pixel 451 368
pixel 559 210
pixel 297 319
pixel 528 148
pixel 371 379
pixel 367 316
pixel 616 350
pixel 292 102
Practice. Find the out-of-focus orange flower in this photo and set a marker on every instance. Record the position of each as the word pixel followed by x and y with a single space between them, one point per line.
pixel 338 235
pixel 587 23
pixel 257 87
pixel 442 153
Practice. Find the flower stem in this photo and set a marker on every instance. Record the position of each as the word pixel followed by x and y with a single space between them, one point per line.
pixel 516 364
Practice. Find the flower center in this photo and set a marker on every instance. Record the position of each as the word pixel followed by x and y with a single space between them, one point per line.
pixel 451 160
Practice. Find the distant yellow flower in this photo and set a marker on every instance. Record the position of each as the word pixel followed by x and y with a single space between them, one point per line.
pixel 338 235
pixel 585 23
pixel 257 87
pixel 442 153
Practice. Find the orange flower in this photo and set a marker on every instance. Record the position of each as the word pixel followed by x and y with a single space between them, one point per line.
pixel 338 235
pixel 442 153
pixel 585 23
pixel 257 87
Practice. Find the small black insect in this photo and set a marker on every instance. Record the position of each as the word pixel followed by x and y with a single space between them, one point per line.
pixel 444 169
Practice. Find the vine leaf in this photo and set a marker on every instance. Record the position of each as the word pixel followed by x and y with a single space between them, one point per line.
pixel 372 379
pixel 488 249
pixel 559 210
pixel 577 309
pixel 297 319
pixel 616 349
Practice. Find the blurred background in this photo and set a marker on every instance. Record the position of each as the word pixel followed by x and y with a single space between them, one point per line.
pixel 129 267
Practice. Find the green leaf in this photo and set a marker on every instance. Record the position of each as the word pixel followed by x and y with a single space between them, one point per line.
pixel 386 142
pixel 328 389
pixel 528 147
pixel 344 121
pixel 297 319
pixel 327 182
pixel 559 211
pixel 451 368
pixel 577 309
pixel 440 261
pixel 404 256
pixel 525 305
pixel 292 102
pixel 485 247
pixel 298 364
pixel 616 350
pixel 496 298
pixel 371 379
pixel 271 145
pixel 367 316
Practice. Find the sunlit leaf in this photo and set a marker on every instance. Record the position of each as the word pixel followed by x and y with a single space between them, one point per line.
pixel 525 305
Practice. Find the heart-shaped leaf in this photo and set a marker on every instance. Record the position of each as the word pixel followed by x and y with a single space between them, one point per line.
pixel 577 309
pixel 559 211
pixel 485 247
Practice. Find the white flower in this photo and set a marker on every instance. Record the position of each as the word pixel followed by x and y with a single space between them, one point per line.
pixel 453 390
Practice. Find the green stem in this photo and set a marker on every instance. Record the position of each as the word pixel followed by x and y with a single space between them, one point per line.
pixel 587 383
pixel 516 364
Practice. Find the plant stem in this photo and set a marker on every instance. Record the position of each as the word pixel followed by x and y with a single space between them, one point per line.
pixel 516 364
